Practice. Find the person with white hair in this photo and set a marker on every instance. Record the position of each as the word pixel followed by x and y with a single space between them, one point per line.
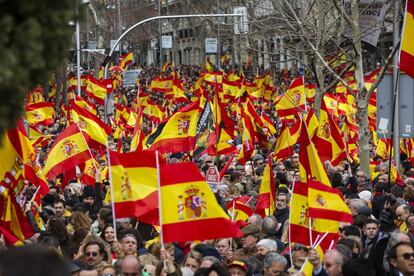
pixel 274 264
pixel 264 247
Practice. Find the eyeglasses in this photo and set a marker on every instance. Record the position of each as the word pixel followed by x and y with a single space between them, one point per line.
pixel 407 256
pixel 93 254
pixel 108 274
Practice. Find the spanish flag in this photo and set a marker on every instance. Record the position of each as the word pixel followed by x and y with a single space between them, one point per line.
pixel 93 126
pixel 328 139
pixel 238 208
pixel 326 203
pixel 134 184
pixel 98 89
pixel 294 99
pixel 138 134
pixel 189 208
pixel 209 65
pixel 125 60
pixel 407 42
pixel 69 149
pixel 164 85
pixel 176 133
pixel 265 204
pixel 9 238
pixel 289 135
pixel 40 113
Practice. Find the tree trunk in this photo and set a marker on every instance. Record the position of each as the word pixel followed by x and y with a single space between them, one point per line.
pixel 362 102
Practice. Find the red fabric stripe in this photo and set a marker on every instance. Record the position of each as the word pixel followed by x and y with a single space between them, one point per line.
pixel 406 63
pixel 410 8
pixel 291 111
pixel 300 234
pixel 301 188
pixel 321 187
pixel 329 214
pixel 35 106
pixel 134 159
pixel 179 173
pixel 174 144
pixel 145 209
pixel 68 163
pixel 14 138
pixel 205 229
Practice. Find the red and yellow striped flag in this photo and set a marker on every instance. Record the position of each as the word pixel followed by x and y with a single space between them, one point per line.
pixel 407 42
pixel 265 204
pixel 125 60
pixel 68 150
pixel 98 89
pixel 294 100
pixel 91 125
pixel 162 85
pixel 40 113
pixel 189 208
pixel 289 135
pixel 176 133
pixel 238 208
pixel 135 185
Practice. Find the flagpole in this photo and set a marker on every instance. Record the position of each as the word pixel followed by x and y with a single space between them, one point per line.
pixel 112 188
pixel 290 225
pixel 157 161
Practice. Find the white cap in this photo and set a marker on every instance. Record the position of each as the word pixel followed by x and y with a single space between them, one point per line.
pixel 366 195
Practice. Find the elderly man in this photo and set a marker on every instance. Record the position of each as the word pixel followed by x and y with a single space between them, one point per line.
pixel 403 212
pixel 274 264
pixel 264 247
pixel 249 241
pixel 332 262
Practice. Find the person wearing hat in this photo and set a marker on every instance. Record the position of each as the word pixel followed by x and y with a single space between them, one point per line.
pixel 238 268
pixel 249 241
pixel 92 200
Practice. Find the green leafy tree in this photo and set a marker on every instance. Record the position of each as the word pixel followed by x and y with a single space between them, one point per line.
pixel 35 35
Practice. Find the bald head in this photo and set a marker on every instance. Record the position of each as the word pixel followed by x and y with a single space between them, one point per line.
pixel 130 265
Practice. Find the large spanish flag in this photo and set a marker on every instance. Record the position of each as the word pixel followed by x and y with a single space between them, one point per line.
pixel 69 149
pixel 176 133
pixel 189 208
pixel 40 113
pixel 294 100
pixel 407 43
pixel 98 89
pixel 135 185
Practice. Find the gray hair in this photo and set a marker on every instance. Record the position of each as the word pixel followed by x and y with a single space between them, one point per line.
pixel 268 243
pixel 272 258
pixel 212 259
pixel 269 225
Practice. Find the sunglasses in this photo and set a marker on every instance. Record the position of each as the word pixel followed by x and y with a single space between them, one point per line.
pixel 93 254
pixel 407 256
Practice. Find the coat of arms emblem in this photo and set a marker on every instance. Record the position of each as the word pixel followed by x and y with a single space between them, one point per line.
pixel 194 204
pixel 69 148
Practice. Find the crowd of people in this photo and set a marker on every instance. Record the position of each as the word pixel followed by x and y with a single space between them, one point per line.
pixel 81 237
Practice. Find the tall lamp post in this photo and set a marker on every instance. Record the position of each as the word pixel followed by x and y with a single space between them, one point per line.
pixel 78 49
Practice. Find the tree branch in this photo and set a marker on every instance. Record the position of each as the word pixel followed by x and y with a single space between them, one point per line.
pixel 292 11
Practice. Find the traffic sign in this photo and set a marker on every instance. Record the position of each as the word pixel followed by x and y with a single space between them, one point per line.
pixel 213 178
